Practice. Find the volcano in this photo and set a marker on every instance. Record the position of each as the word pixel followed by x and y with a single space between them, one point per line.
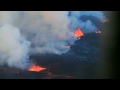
pixel 80 62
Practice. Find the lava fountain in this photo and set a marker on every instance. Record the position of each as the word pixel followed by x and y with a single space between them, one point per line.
pixel 78 33
pixel 36 68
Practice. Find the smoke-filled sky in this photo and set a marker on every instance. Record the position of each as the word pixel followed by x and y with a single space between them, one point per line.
pixel 23 33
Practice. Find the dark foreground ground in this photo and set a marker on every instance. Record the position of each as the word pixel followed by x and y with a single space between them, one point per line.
pixel 81 62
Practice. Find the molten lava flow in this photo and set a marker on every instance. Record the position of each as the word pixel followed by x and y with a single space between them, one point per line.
pixel 36 68
pixel 97 31
pixel 78 33
pixel 105 20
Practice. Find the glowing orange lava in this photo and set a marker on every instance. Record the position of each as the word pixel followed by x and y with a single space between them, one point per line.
pixel 105 20
pixel 97 31
pixel 78 33
pixel 36 68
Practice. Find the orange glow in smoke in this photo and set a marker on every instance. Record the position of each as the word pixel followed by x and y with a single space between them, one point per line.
pixel 36 68
pixel 68 46
pixel 97 31
pixel 78 33
pixel 105 20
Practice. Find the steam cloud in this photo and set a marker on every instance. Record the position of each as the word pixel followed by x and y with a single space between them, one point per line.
pixel 13 47
pixel 29 32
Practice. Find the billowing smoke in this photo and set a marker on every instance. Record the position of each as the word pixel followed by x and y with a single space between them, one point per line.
pixel 86 26
pixel 31 32
pixel 13 47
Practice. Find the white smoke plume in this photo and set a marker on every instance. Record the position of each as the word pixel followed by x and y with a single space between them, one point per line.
pixel 31 32
pixel 13 47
